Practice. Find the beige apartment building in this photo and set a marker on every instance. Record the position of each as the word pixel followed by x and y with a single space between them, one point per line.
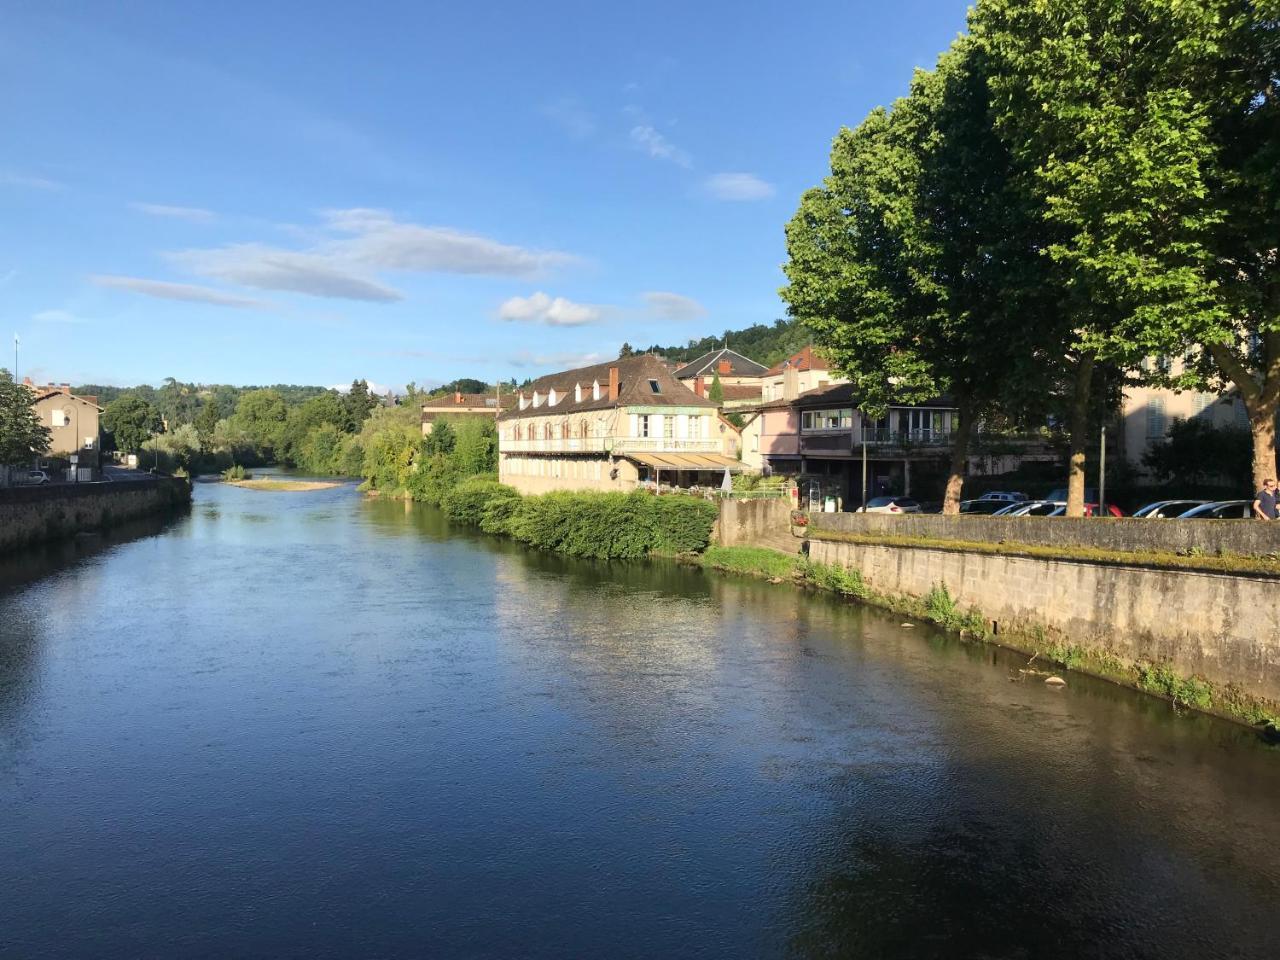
pixel 1147 412
pixel 618 426
pixel 73 424
pixel 456 405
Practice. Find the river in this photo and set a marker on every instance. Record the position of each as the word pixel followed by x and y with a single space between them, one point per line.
pixel 311 725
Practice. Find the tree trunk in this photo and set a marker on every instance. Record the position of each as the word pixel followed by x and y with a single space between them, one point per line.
pixel 1079 435
pixel 959 456
pixel 1262 424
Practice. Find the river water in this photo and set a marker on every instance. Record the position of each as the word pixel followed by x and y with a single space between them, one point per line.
pixel 309 725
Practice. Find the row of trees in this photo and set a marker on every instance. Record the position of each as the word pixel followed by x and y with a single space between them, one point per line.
pixel 1076 187
pixel 765 343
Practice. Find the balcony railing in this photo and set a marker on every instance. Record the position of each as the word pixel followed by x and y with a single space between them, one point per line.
pixel 903 437
pixel 608 444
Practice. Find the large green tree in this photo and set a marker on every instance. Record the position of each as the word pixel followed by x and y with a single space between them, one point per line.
pixel 916 262
pixel 327 408
pixel 359 404
pixel 22 435
pixel 261 415
pixel 1149 130
pixel 131 421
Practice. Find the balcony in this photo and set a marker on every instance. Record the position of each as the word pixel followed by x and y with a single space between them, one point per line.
pixel 619 445
pixel 903 438
pixel 849 442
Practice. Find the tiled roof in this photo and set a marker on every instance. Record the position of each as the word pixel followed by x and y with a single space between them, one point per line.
pixel 709 363
pixel 806 359
pixel 843 395
pixel 43 393
pixel 452 401
pixel 741 391
pixel 634 374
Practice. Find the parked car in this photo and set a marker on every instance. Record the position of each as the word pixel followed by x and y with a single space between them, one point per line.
pixel 931 506
pixel 1011 496
pixel 1090 495
pixel 1220 510
pixel 35 477
pixel 1163 509
pixel 1090 510
pixel 983 506
pixel 892 505
pixel 1032 508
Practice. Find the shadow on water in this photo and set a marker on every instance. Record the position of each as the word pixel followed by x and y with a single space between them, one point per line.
pixel 33 563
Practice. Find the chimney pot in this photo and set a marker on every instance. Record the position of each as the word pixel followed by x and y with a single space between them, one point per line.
pixel 66 389
pixel 725 367
pixel 613 383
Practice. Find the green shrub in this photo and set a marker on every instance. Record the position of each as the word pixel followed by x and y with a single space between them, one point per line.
pixel 683 524
pixel 833 577
pixel 942 609
pixel 236 472
pixel 496 515
pixel 1162 678
pixel 466 502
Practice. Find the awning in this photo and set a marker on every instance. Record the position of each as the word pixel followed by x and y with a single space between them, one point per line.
pixel 687 461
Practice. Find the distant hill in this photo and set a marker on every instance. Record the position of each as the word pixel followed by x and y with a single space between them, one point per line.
pixel 763 343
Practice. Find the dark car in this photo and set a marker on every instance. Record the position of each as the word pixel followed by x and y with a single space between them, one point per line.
pixel 1222 510
pixel 1163 509
pixel 983 506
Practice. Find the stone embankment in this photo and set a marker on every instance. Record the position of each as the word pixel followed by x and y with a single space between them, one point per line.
pixel 30 515
pixel 1114 590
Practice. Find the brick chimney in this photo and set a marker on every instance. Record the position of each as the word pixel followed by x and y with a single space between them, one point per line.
pixel 699 387
pixel 27 382
pixel 613 383
pixel 65 388
pixel 457 396
pixel 790 382
pixel 725 367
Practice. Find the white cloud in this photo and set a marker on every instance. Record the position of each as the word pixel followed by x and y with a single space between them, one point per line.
pixel 379 389
pixel 674 306
pixel 738 186
pixel 559 361
pixel 192 214
pixel 645 138
pixel 270 268
pixel 554 312
pixel 570 116
pixel 174 291
pixel 9 178
pixel 57 316
pixel 353 245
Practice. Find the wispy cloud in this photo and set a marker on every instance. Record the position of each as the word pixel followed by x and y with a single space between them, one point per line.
pixel 269 268
pixel 12 179
pixel 569 114
pixel 191 214
pixel 561 361
pixel 673 306
pixel 554 312
pixel 353 245
pixel 646 138
pixel 173 291
pixel 738 186
pixel 57 316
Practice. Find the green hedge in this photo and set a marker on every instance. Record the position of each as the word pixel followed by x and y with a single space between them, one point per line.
pixel 606 526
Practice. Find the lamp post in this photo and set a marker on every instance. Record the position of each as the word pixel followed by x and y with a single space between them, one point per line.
pixel 1102 473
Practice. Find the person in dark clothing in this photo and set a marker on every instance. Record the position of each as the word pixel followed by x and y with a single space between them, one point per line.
pixel 1265 506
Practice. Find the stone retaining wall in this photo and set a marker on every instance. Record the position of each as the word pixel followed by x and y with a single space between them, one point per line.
pixel 30 515
pixel 1223 627
pixel 756 523
pixel 1244 537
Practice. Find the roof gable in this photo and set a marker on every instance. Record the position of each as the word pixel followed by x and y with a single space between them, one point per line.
pixel 739 366
pixel 634 389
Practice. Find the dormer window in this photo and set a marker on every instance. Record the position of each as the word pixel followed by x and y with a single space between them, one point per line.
pixel 653 387
pixel 523 402
pixel 552 397
pixel 537 399
pixel 595 390
pixel 577 393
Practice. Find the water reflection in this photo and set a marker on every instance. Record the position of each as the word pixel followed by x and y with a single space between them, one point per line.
pixel 411 740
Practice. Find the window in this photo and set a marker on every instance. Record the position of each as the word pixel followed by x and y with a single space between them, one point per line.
pixel 642 425
pixel 577 393
pixel 595 390
pixel 1155 418
pixel 653 387
pixel 668 425
pixel 60 418
pixel 1164 364
pixel 827 420
pixel 695 427
pixel 1202 402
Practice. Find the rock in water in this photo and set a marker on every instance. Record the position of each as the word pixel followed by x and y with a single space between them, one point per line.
pixel 1055 681
pixel 908 624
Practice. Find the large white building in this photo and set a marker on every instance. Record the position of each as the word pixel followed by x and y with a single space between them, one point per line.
pixel 614 426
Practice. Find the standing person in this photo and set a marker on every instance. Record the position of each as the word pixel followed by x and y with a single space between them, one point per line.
pixel 1264 504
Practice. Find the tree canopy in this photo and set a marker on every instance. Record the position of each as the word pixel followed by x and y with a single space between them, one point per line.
pixel 22 434
pixel 131 421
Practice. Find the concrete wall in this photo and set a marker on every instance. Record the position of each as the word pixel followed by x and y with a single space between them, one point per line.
pixel 1245 537
pixel 1226 628
pixel 757 523
pixel 30 515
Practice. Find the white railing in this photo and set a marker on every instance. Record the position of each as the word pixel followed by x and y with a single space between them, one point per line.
pixel 557 445
pixel 607 444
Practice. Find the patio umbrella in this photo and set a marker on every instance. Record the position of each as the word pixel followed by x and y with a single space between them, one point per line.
pixel 727 483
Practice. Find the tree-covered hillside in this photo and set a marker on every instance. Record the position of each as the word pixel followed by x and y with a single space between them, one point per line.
pixel 761 342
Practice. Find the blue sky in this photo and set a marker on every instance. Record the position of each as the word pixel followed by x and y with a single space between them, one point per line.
pixel 310 192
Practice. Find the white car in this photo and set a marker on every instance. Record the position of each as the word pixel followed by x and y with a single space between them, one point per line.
pixel 35 477
pixel 1032 508
pixel 892 505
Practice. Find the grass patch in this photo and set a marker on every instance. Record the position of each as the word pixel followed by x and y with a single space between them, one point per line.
pixel 751 561
pixel 1268 566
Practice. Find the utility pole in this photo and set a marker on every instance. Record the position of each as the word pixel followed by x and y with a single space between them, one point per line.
pixel 1102 473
